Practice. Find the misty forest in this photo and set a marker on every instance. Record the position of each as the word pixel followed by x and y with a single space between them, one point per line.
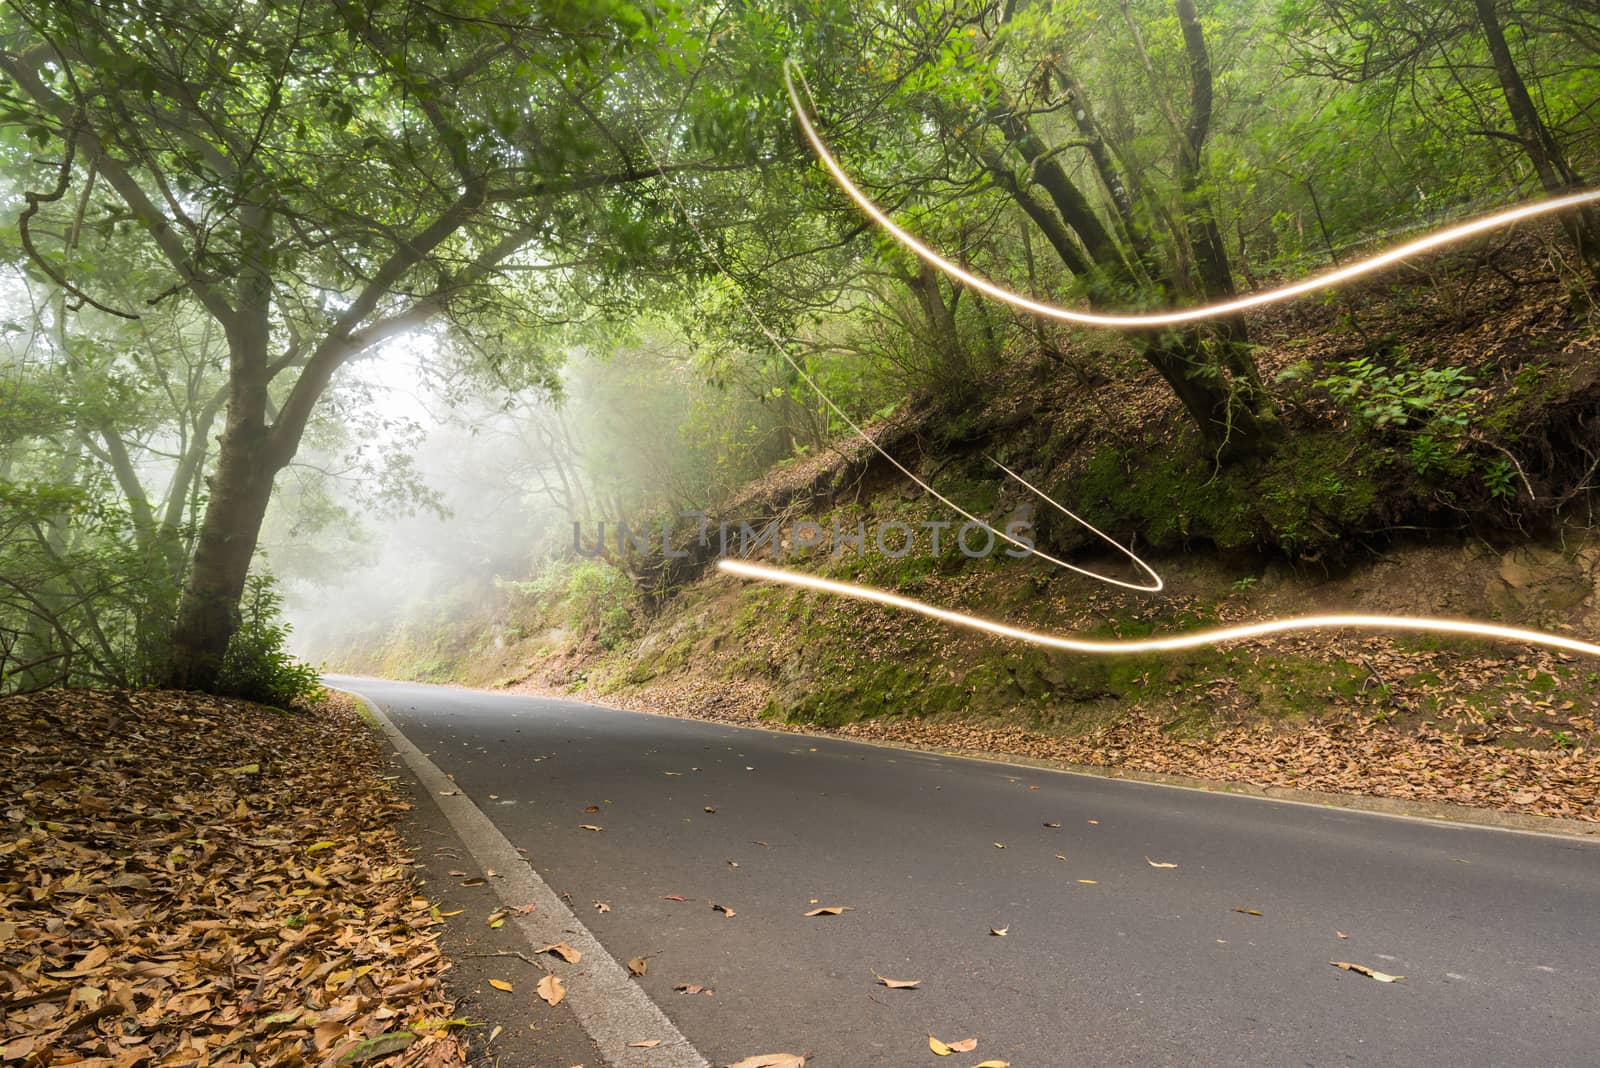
pixel 548 351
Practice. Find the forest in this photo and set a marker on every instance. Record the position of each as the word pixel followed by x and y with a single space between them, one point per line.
pixel 593 244
pixel 629 532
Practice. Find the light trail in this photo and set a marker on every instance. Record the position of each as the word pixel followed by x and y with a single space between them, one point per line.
pixel 1327 279
pixel 1172 643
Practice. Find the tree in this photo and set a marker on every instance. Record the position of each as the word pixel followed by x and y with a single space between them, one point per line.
pixel 1413 41
pixel 1002 87
pixel 323 178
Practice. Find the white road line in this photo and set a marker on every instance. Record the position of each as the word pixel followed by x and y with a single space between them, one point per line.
pixel 612 1008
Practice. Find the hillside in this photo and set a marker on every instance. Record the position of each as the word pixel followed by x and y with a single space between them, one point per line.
pixel 1470 498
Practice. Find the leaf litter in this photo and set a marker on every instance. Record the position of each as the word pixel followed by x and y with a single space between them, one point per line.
pixel 167 904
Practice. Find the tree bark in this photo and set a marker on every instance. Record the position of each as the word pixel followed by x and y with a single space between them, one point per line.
pixel 207 613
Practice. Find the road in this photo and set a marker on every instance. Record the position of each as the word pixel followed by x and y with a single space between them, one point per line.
pixel 1106 959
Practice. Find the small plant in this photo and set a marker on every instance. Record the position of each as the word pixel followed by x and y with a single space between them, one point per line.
pixel 1245 584
pixel 1563 740
pixel 1427 454
pixel 256 666
pixel 1499 478
pixel 1438 397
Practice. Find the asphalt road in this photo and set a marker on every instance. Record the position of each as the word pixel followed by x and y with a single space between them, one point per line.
pixel 1106 960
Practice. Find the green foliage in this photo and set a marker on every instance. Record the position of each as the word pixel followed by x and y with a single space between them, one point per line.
pixel 257 667
pixel 1440 398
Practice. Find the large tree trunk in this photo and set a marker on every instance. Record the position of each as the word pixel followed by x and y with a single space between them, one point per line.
pixel 1556 174
pixel 208 611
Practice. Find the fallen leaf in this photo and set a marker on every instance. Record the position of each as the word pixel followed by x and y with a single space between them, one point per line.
pixel 601 906
pixel 552 989
pixel 694 988
pixel 1248 912
pixel 773 1060
pixel 1000 932
pixel 674 897
pixel 564 951
pixel 1060 857
pixel 760 843
pixel 496 918
pixel 966 1045
pixel 1341 934
pixel 495 1033
pixel 725 910
pixel 1362 969
pixel 1052 825
pixel 1089 882
pixel 1158 863
pixel 1095 822
pixel 649 1043
pixel 592 808
pixel 638 966
pixel 939 1048
pixel 476 880
pixel 711 809
pixel 589 827
pixel 500 984
pixel 897 984
pixel 992 1064
pixel 381 1046
pixel 999 845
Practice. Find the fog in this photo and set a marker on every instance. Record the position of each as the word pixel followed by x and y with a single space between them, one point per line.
pixel 463 482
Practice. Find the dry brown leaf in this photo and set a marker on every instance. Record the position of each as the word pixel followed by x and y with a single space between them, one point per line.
pixel 772 1060
pixel 966 1045
pixel 1158 863
pixel 1000 932
pixel 1362 969
pixel 725 910
pixel 564 951
pixel 992 1064
pixel 694 988
pixel 591 809
pixel 673 897
pixel 1052 825
pixel 551 989
pixel 1341 935
pixel 638 966
pixel 831 910
pixel 649 1043
pixel 897 984
pixel 1248 912
pixel 999 845
pixel 589 827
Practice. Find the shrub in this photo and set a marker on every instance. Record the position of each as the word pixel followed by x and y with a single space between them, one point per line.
pixel 256 666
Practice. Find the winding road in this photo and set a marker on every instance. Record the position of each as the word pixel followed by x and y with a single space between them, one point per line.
pixel 1106 958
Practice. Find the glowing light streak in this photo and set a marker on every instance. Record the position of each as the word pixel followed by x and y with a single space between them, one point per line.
pixel 1171 643
pixel 1327 279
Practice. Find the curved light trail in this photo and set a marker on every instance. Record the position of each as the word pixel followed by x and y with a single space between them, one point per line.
pixel 1171 643
pixel 1427 243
